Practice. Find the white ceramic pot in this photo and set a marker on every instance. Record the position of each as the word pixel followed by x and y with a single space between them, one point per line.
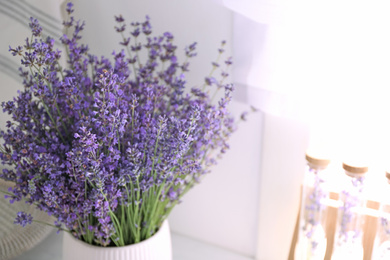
pixel 157 247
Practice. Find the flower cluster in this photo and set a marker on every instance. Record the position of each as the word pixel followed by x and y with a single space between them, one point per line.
pixel 23 219
pixel 385 225
pixel 314 210
pixel 109 146
pixel 350 220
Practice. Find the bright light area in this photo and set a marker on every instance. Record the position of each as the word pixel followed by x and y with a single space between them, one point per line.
pixel 348 84
pixel 332 58
pixel 345 68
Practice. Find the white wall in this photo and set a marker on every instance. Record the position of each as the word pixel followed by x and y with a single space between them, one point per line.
pixel 204 21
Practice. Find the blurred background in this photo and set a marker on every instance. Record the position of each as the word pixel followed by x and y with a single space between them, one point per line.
pixel 317 71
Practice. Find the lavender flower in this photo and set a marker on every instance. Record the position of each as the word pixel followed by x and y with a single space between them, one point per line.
pixel 102 139
pixel 23 219
pixel 31 187
pixel 385 225
pixel 350 228
pixel 35 27
pixel 314 210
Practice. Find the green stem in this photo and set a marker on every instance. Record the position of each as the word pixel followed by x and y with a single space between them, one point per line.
pixel 51 225
pixel 7 193
pixel 153 210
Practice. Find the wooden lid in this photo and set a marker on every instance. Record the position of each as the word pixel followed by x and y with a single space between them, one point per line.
pixel 317 160
pixel 354 168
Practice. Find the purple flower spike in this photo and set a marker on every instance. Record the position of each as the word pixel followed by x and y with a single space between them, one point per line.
pixel 23 219
pixel 35 27
pixel 69 8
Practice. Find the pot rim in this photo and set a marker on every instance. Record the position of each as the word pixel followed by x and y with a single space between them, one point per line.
pixel 164 226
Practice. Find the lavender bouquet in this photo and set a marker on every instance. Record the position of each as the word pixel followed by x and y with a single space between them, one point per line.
pixel 109 146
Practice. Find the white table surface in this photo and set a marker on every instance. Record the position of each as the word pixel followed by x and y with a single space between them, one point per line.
pixel 184 248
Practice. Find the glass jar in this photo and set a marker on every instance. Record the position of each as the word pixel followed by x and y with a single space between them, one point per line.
pixel 312 240
pixel 348 242
pixel 381 250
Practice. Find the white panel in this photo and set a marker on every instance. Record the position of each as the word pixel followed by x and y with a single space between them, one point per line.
pixel 282 167
pixel 261 11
